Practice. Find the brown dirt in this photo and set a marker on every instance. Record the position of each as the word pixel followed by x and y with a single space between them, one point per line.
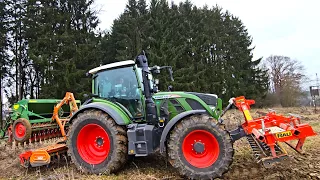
pixel 155 167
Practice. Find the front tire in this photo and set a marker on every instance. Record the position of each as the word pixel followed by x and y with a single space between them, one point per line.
pixel 200 148
pixel 96 144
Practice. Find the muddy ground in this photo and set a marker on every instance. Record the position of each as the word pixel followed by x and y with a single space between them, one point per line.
pixel 155 167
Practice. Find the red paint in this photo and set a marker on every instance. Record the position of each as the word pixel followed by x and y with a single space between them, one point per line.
pixel 88 144
pixel 272 119
pixel 211 148
pixel 25 157
pixel 20 130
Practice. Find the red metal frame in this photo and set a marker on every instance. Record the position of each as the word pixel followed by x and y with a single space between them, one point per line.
pixel 291 127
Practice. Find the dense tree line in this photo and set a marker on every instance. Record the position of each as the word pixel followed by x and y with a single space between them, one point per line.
pixel 51 44
pixel 210 50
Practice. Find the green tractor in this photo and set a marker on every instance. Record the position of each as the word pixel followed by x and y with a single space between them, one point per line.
pixel 128 116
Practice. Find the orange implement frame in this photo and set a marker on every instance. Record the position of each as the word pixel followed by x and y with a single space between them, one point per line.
pixel 42 156
pixel 272 128
pixel 68 99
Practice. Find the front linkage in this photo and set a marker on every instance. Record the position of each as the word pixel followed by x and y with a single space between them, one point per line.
pixel 265 133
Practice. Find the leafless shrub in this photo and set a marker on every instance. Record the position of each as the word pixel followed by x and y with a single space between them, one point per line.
pixel 286 77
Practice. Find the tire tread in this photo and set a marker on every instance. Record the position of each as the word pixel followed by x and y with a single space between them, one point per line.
pixel 119 155
pixel 173 147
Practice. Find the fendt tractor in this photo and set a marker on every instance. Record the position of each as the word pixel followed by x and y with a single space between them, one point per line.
pixel 127 115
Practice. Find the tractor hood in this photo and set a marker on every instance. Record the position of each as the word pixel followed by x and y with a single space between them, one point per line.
pixel 209 99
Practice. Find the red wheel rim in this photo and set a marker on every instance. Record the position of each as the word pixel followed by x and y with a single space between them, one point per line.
pixel 20 130
pixel 209 150
pixel 93 144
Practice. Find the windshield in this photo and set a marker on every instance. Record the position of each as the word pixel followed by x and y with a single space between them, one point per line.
pixel 120 85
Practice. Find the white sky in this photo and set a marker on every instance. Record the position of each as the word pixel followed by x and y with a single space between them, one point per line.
pixel 280 27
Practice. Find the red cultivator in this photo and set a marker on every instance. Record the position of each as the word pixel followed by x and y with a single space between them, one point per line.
pixel 265 133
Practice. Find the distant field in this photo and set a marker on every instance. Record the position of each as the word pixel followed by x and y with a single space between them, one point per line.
pixel 155 167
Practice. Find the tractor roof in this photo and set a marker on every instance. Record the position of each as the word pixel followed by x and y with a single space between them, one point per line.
pixel 112 65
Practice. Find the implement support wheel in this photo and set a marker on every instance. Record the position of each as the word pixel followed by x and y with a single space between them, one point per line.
pixel 21 130
pixel 200 148
pixel 96 143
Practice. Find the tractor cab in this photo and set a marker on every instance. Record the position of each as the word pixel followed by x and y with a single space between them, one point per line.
pixel 120 82
pixel 129 84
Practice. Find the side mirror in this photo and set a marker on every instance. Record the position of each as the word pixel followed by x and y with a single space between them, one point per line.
pixel 170 88
pixel 156 81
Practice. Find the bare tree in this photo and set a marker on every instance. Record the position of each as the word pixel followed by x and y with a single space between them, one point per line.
pixel 286 77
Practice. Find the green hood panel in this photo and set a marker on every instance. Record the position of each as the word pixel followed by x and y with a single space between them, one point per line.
pixel 184 99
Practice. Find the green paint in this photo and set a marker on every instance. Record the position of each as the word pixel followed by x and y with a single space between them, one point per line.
pixel 181 98
pixel 40 110
pixel 2 133
pixel 43 120
pixel 219 107
pixel 125 117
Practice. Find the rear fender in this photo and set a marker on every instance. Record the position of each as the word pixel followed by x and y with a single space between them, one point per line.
pixel 120 117
pixel 173 122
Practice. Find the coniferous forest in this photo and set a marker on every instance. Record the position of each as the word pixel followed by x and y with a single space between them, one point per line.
pixel 47 46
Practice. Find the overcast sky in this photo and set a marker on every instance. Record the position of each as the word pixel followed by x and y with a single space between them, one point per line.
pixel 279 27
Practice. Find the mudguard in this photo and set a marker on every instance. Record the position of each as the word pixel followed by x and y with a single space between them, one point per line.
pixel 172 123
pixel 120 117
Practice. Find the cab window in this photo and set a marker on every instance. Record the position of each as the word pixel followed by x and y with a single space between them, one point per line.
pixel 120 85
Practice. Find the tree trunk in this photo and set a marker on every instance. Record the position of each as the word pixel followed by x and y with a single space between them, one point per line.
pixel 1 121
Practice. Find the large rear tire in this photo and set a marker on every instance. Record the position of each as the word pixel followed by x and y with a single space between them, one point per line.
pixel 96 144
pixel 21 130
pixel 200 148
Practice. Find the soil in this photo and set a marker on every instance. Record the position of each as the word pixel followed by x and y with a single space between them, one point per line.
pixel 156 167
